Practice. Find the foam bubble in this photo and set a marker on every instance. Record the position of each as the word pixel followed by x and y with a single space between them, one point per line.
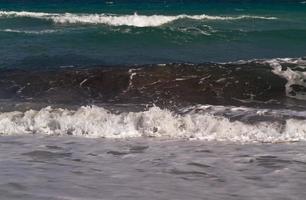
pixel 121 20
pixel 95 122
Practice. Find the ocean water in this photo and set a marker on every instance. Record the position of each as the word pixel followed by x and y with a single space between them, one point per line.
pixel 152 99
pixel 94 32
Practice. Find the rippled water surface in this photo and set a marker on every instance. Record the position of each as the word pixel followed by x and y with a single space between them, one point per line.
pixel 33 167
pixel 53 33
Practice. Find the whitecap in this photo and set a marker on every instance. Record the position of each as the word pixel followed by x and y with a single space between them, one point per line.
pixel 122 20
pixel 96 122
pixel 293 77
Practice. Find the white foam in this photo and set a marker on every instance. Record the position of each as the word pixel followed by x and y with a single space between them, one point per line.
pixel 39 32
pixel 292 77
pixel 26 14
pixel 120 20
pixel 98 122
pixel 206 30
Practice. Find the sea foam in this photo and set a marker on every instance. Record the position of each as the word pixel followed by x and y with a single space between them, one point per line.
pixel 96 122
pixel 122 20
pixel 294 77
pixel 37 32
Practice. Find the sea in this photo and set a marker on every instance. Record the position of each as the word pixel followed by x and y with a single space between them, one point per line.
pixel 153 99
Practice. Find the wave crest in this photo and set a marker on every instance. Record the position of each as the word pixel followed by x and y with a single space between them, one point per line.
pixel 121 20
pixel 295 76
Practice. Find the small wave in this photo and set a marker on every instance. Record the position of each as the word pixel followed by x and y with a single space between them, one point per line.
pixel 204 30
pixel 122 20
pixel 28 31
pixel 96 122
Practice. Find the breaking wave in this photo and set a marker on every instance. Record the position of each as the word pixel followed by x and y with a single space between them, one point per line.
pixel 211 101
pixel 121 20
pixel 296 76
pixel 202 123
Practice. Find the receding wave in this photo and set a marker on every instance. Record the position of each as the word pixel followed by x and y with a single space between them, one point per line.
pixel 199 123
pixel 122 20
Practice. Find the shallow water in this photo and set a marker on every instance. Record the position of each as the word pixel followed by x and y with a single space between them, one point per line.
pixel 34 167
pixel 206 99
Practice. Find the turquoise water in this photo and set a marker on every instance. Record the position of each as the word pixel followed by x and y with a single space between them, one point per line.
pixel 93 33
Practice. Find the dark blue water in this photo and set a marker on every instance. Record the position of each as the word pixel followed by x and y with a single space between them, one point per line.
pixel 86 33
